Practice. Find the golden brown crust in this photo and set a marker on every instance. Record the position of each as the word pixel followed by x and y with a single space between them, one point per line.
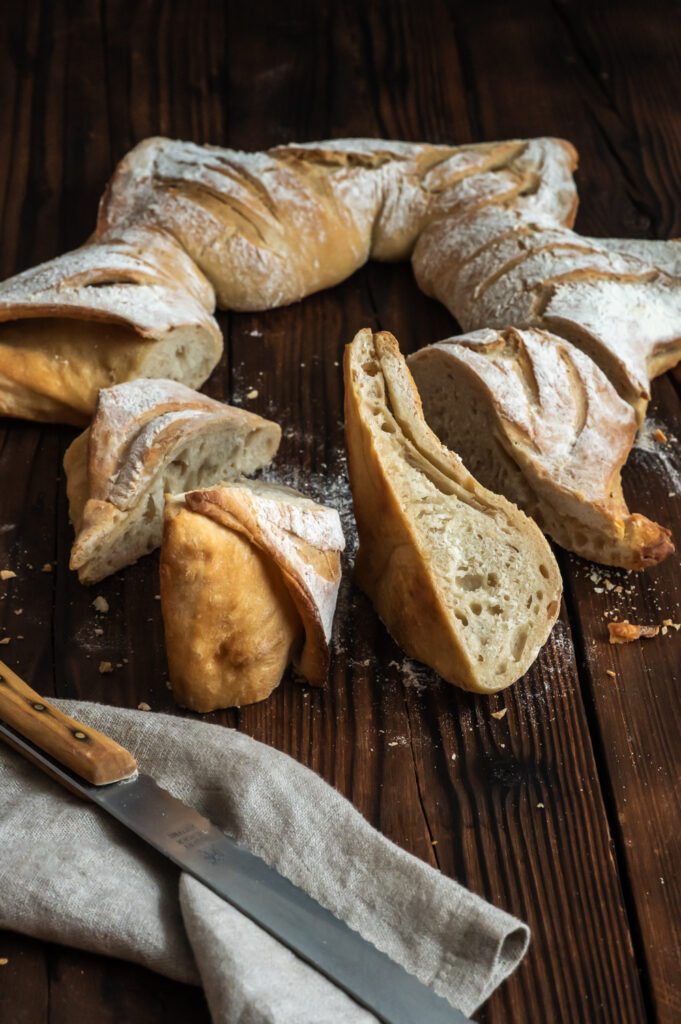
pixel 305 546
pixel 228 644
pixel 250 574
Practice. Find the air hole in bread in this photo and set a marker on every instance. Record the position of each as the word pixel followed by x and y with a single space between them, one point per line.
pixel 492 580
pixel 462 618
pixel 476 608
pixel 551 609
pixel 388 427
pixel 471 581
pixel 519 642
pixel 544 571
pixel 150 510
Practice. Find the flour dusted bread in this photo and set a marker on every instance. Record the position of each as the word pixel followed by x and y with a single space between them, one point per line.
pixel 149 437
pixel 535 419
pixel 619 301
pixel 462 579
pixel 269 228
pixel 130 305
pixel 249 579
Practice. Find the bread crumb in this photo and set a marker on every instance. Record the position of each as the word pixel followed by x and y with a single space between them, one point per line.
pixel 618 589
pixel 667 622
pixel 157 597
pixel 5 640
pixel 624 632
pixel 47 567
pixel 609 672
pixel 393 743
pixel 100 604
pixel 433 842
pixel 143 706
pixel 7 574
pixel 598 590
pixel 18 611
pixel 541 806
pixel 253 393
pixel 659 436
pixel 453 757
pixel 609 585
pixel 105 666
pixel 664 630
pixel 98 631
pixel 3 961
pixel 499 714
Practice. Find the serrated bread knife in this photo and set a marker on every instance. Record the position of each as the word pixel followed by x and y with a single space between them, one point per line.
pixel 94 766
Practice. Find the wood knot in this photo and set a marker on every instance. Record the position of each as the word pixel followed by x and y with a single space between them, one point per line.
pixel 79 735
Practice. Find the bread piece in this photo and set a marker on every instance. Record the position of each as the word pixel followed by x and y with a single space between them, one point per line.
pixel 619 301
pixel 249 579
pixel 534 418
pixel 124 307
pixel 269 228
pixel 462 579
pixel 149 437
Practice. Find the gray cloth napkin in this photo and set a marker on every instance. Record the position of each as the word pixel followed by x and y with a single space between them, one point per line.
pixel 70 874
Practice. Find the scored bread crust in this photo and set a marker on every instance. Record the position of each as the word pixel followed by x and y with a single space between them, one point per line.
pixel 534 418
pixel 130 305
pixel 462 579
pixel 148 437
pixel 269 228
pixel 619 301
pixel 289 539
pixel 265 229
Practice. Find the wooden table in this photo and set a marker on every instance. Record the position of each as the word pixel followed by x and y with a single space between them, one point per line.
pixel 566 812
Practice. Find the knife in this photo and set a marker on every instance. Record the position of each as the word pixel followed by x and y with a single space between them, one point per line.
pixel 92 765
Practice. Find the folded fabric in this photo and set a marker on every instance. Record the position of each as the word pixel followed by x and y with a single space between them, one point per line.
pixel 70 874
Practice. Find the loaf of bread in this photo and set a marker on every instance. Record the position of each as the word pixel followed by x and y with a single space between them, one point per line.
pixel 149 437
pixel 269 228
pixel 265 229
pixel 130 305
pixel 619 301
pixel 462 579
pixel 535 419
pixel 249 578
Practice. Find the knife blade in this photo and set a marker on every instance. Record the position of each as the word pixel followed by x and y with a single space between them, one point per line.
pixel 32 726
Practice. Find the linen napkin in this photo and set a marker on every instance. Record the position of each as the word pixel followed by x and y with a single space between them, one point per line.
pixel 71 874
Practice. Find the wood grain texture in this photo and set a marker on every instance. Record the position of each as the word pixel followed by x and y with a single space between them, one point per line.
pixel 422 761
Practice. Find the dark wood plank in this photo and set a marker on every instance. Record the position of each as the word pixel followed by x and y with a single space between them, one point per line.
pixel 24 985
pixel 604 85
pixel 83 90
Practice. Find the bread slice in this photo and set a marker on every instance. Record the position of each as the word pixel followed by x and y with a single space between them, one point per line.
pixel 249 579
pixel 462 579
pixel 149 437
pixel 534 418
pixel 130 305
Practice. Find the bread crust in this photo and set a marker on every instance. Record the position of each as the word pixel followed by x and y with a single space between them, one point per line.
pixel 126 306
pixel 149 436
pixel 536 419
pixel 433 542
pixel 618 301
pixel 292 540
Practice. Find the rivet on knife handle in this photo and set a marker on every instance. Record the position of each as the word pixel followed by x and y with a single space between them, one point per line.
pixel 90 754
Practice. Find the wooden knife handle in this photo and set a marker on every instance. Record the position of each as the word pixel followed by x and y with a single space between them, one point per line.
pixel 90 754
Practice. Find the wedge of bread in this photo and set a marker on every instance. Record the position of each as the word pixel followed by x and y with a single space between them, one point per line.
pixel 149 437
pixel 534 418
pixel 249 578
pixel 462 579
